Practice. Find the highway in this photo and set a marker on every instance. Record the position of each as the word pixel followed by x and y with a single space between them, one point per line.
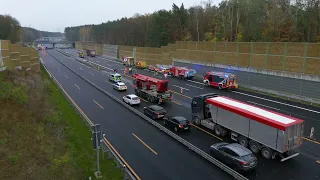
pixel 304 165
pixel 149 152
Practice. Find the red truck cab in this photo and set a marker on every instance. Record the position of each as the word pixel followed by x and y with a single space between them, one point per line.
pixel 221 80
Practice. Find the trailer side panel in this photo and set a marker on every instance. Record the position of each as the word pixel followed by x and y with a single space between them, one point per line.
pixel 263 134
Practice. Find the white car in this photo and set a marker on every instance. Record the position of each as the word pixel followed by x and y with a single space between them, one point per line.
pixel 120 86
pixel 131 99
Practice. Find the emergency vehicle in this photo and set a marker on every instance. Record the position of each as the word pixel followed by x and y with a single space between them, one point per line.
pixel 182 72
pixel 128 61
pixel 153 68
pixel 141 64
pixel 221 80
pixel 154 90
pixel 115 77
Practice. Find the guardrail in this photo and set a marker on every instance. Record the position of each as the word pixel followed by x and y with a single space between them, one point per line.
pixel 206 156
pixel 106 146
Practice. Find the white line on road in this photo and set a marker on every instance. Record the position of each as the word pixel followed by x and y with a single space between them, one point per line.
pixel 77 86
pixel 263 105
pixel 194 86
pixel 66 76
pixel 109 65
pixel 81 68
pixel 91 73
pixel 196 82
pixel 58 69
pixel 180 87
pixel 310 110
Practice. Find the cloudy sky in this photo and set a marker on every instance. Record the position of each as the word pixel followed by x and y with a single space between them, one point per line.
pixel 54 15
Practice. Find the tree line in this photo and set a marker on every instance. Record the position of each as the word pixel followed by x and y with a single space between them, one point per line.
pixel 231 20
pixel 10 29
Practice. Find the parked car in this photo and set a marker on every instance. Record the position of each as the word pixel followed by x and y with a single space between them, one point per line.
pixel 131 99
pixel 154 111
pixel 178 123
pixel 120 86
pixel 234 155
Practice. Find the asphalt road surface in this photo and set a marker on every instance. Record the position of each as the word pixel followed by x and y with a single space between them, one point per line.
pixel 304 166
pixel 151 153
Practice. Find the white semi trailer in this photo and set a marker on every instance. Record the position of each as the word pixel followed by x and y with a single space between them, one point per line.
pixel 260 130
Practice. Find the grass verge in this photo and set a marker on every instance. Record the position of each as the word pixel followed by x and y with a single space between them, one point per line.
pixel 41 135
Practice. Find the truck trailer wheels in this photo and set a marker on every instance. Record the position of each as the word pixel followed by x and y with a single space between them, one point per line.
pixel 243 141
pixel 266 153
pixel 254 147
pixel 218 130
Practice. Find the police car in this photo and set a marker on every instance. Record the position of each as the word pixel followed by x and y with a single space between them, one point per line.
pixel 120 86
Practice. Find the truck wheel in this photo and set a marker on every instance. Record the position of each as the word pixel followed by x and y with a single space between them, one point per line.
pixel 243 141
pixel 254 146
pixel 266 153
pixel 197 121
pixel 206 83
pixel 220 86
pixel 218 130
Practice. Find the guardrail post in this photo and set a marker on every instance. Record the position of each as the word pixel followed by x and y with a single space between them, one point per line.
pixel 284 56
pixel 251 47
pixel 267 56
pixel 305 52
pixel 237 59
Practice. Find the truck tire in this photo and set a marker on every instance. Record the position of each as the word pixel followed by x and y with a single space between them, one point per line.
pixel 243 141
pixel 218 130
pixel 196 120
pixel 254 146
pixel 206 83
pixel 220 86
pixel 266 153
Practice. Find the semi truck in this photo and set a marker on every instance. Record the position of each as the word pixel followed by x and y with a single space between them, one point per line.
pixel 154 90
pixel 261 130
pixel 91 52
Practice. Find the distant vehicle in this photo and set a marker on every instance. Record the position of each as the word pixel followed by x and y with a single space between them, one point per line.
pixel 81 54
pixel 154 111
pixel 178 123
pixel 131 99
pixel 153 68
pixel 141 65
pixel 182 72
pixel 91 52
pixel 115 77
pixel 128 61
pixel 120 86
pixel 221 80
pixel 264 131
pixel 234 155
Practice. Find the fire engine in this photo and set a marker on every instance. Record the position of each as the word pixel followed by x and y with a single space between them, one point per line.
pixel 154 90
pixel 221 80
pixel 182 72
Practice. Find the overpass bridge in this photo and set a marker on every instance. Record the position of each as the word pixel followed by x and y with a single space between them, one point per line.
pixel 54 43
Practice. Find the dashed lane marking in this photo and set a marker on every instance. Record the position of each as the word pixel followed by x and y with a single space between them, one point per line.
pixel 91 73
pixel 180 94
pixel 98 104
pixel 176 103
pixel 180 87
pixel 146 145
pixel 66 76
pixel 206 132
pixel 77 86
pixel 194 86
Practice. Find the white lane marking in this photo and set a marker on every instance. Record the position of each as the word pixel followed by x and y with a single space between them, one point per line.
pixel 194 86
pixel 263 105
pixel 310 110
pixel 109 65
pixel 91 73
pixel 196 82
pixel 81 68
pixel 58 69
pixel 66 76
pixel 109 60
pixel 77 86
pixel 180 87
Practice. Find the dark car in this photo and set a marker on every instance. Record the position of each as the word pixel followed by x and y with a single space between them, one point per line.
pixel 178 123
pixel 155 112
pixel 234 155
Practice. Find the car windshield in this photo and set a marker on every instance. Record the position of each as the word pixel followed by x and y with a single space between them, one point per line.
pixel 156 108
pixel 248 157
pixel 183 122
pixel 135 98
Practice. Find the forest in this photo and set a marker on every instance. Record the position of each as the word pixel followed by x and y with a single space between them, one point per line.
pixel 10 29
pixel 231 20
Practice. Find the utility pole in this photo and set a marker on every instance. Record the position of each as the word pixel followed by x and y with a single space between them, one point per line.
pixel 96 143
pixel 197 23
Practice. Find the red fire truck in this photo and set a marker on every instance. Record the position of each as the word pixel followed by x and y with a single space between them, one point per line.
pixel 221 80
pixel 182 72
pixel 154 90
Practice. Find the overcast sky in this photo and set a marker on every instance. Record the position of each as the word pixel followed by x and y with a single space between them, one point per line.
pixel 54 15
